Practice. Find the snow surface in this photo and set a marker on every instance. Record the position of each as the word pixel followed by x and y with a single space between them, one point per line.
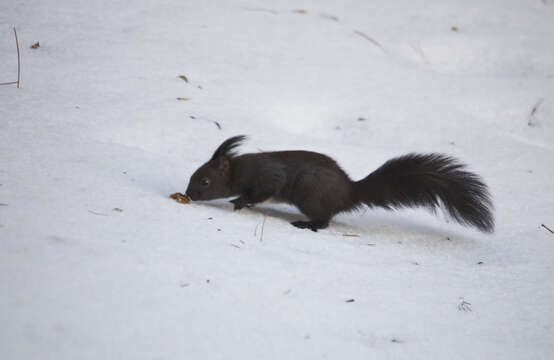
pixel 96 126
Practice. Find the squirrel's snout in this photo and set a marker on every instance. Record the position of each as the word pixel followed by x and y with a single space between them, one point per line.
pixel 193 195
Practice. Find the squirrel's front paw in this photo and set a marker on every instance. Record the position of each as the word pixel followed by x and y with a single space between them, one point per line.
pixel 238 204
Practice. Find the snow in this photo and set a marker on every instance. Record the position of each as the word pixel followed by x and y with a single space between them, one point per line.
pixel 96 126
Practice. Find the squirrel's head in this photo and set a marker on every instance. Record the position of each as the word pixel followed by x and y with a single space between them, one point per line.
pixel 212 180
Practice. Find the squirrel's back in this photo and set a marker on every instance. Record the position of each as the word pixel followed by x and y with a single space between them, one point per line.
pixel 297 173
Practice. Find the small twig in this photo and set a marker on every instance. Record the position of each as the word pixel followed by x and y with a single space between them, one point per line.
pixel 351 235
pixel 534 110
pixel 262 233
pixel 206 119
pixel 234 245
pixel 417 48
pixel 97 213
pixel 547 228
pixel 274 12
pixel 18 58
pixel 464 305
pixel 329 17
pixel 370 39
pixel 18 63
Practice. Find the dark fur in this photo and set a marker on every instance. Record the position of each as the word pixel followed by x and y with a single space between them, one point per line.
pixel 320 189
pixel 430 180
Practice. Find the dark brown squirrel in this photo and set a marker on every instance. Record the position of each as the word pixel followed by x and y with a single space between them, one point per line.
pixel 320 189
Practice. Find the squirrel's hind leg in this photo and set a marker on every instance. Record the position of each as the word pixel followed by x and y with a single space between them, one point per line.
pixel 320 193
pixel 312 225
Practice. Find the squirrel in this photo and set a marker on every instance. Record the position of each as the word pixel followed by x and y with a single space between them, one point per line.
pixel 320 189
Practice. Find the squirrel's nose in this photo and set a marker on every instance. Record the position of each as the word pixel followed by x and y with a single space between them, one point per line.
pixel 191 194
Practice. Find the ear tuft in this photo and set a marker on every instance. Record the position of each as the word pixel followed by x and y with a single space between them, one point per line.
pixel 226 149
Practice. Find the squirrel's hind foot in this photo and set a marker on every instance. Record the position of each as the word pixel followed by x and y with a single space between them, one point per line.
pixel 312 225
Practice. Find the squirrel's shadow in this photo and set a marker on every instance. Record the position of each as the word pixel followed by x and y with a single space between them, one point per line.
pixel 278 213
pixel 374 225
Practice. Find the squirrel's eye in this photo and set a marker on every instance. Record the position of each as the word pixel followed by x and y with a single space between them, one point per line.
pixel 205 182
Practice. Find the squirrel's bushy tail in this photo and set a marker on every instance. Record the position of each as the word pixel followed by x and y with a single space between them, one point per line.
pixel 429 180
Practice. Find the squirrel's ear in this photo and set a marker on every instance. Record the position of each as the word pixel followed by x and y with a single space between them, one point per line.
pixel 223 165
